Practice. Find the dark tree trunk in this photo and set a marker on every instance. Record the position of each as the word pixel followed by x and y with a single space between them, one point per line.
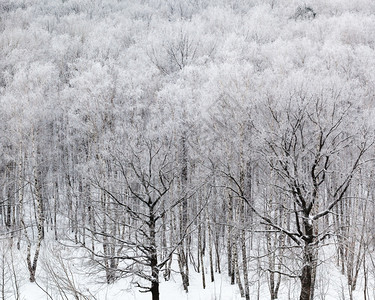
pixel 155 290
pixel 307 282
pixel 155 277
pixel 153 255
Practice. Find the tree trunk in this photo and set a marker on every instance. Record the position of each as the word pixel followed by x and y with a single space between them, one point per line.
pixel 306 282
pixel 182 261
pixel 155 290
pixel 229 240
pixel 153 257
pixel 307 277
pixel 210 249
pixel 244 265
pixel 237 269
pixel 183 250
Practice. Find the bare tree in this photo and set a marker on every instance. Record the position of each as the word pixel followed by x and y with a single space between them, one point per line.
pixel 142 192
pixel 305 147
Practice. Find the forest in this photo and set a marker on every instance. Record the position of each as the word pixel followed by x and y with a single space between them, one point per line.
pixel 192 149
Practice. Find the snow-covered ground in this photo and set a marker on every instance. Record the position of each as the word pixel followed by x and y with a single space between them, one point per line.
pixel 74 281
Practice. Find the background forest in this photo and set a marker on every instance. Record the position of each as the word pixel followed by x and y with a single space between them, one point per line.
pixel 176 147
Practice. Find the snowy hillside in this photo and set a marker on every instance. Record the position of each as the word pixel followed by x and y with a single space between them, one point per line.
pixel 192 149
